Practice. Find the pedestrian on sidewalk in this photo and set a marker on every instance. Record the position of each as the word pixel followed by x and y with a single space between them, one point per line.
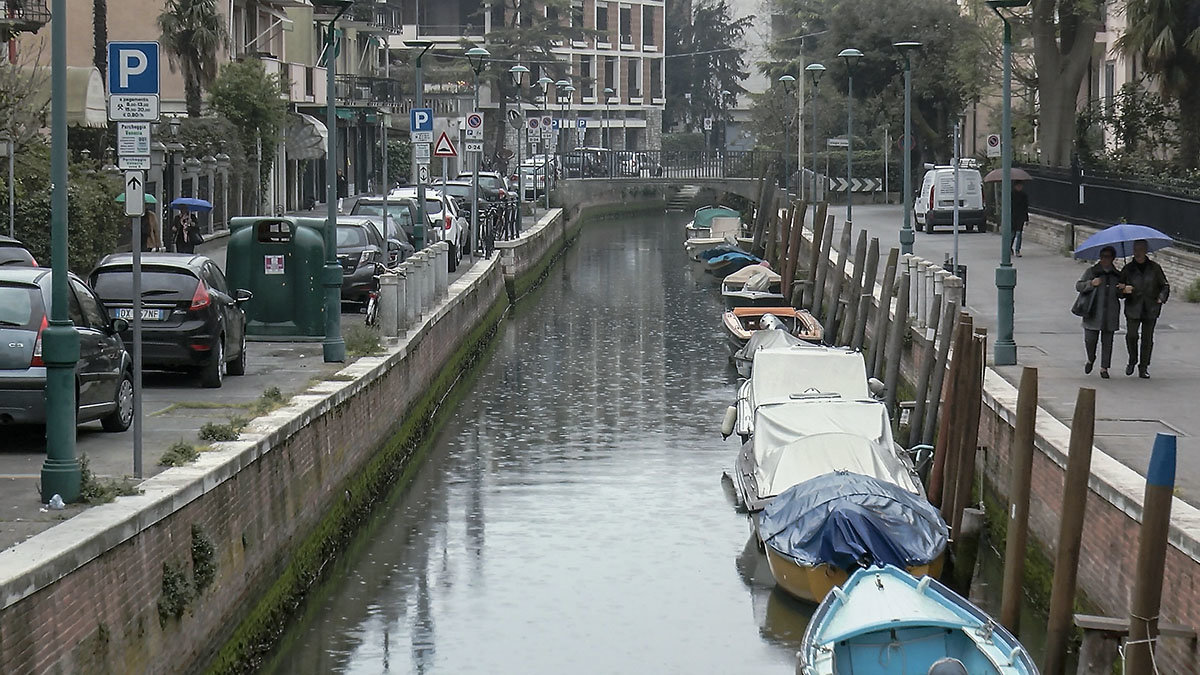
pixel 185 232
pixel 1099 325
pixel 1020 215
pixel 1145 289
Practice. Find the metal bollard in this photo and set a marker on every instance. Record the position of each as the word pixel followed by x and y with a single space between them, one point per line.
pixel 431 261
pixel 388 287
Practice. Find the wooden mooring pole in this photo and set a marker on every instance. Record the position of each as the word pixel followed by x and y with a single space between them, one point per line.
pixel 1021 458
pixel 822 262
pixel 1066 561
pixel 946 327
pixel 944 460
pixel 835 286
pixel 795 231
pixel 924 373
pixel 1152 557
pixel 867 294
pixel 895 346
pixel 856 284
pixel 971 396
pixel 879 339
pixel 771 233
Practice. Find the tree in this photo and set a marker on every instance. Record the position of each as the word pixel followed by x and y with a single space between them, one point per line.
pixel 254 101
pixel 1166 35
pixel 1063 34
pixel 706 57
pixel 100 36
pixel 193 32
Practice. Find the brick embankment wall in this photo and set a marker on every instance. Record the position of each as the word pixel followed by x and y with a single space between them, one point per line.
pixel 1108 555
pixel 209 562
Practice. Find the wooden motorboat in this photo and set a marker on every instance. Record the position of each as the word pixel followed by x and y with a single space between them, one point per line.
pixel 884 621
pixel 752 286
pixel 701 225
pixel 741 322
pixel 816 533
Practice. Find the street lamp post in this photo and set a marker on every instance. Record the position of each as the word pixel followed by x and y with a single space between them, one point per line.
pixel 725 96
pixel 544 82
pixel 608 92
pixel 60 343
pixel 422 221
pixel 559 89
pixel 518 73
pixel 815 71
pixel 477 56
pixel 906 234
pixel 787 81
pixel 333 347
pixel 1005 351
pixel 851 56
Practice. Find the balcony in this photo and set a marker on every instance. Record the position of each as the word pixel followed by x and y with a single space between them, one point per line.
pixel 24 16
pixel 449 32
pixel 368 91
pixel 302 83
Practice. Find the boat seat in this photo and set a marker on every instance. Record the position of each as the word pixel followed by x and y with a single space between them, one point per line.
pixel 948 666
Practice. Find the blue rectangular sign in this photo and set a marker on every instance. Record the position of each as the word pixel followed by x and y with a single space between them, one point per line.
pixel 420 119
pixel 132 68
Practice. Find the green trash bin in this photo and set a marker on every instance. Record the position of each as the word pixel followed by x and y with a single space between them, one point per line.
pixel 280 261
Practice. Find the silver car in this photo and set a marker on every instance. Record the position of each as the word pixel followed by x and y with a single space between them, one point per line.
pixel 103 374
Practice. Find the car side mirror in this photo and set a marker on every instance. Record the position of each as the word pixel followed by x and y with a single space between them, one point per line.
pixel 242 295
pixel 118 325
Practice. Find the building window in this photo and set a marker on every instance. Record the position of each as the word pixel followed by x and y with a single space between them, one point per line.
pixel 577 14
pixel 1110 83
pixel 610 73
pixel 656 78
pixel 626 25
pixel 647 25
pixel 601 22
pixel 587 76
pixel 633 81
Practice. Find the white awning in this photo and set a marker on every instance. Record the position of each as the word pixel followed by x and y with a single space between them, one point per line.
pixel 85 94
pixel 307 137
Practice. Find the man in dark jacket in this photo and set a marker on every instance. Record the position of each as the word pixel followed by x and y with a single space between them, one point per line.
pixel 1145 288
pixel 1020 215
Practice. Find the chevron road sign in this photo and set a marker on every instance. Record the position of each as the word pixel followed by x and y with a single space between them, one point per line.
pixel 856 184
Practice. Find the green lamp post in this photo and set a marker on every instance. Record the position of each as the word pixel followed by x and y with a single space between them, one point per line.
pixel 60 343
pixel 422 220
pixel 518 73
pixel 476 56
pixel 1005 351
pixel 815 71
pixel 787 81
pixel 906 234
pixel 544 83
pixel 851 57
pixel 333 346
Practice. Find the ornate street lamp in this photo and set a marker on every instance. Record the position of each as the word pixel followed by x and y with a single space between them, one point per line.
pixel 787 81
pixel 851 57
pixel 477 57
pixel 518 73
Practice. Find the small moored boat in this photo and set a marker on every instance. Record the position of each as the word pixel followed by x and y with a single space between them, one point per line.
pixel 751 286
pixel 701 225
pixel 886 622
pixel 817 532
pixel 741 322
pixel 727 263
pixel 791 370
pixel 743 359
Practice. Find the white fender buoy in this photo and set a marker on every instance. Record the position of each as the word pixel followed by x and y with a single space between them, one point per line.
pixel 728 422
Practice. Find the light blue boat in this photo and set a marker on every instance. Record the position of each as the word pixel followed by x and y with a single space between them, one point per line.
pixel 884 621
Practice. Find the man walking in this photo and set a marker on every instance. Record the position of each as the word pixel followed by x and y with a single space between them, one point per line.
pixel 1145 288
pixel 1020 215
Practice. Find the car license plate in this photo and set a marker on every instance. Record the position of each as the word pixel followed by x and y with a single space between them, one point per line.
pixel 147 314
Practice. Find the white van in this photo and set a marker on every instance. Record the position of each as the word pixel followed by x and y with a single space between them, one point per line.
pixel 934 204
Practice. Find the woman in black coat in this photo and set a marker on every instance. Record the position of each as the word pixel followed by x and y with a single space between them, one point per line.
pixel 1102 322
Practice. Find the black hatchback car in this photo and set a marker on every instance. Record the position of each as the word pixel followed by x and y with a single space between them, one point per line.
pixel 360 250
pixel 401 211
pixel 191 320
pixel 103 374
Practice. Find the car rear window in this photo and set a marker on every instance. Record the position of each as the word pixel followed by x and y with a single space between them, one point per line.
pixel 351 235
pixel 158 283
pixel 15 255
pixel 20 307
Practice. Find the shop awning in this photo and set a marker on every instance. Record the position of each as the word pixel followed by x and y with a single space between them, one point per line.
pixel 307 137
pixel 85 94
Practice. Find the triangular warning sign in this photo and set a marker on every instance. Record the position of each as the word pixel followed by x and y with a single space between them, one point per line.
pixel 444 147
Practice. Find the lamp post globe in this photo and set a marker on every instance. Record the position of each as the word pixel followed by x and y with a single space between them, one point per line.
pixel 907 237
pixel 851 57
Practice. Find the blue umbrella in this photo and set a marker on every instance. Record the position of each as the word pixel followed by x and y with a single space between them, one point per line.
pixel 1121 237
pixel 192 203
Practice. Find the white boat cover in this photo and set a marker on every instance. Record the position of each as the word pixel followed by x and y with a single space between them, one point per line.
pixel 771 339
pixel 796 441
pixel 726 226
pixel 780 372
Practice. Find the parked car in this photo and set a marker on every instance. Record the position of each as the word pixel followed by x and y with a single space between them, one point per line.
pixel 493 186
pixel 460 190
pixel 398 248
pixel 402 212
pixel 590 162
pixel 446 222
pixel 104 373
pixel 360 251
pixel 13 252
pixel 191 320
pixel 934 204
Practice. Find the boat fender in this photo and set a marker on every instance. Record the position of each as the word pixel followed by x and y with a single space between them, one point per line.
pixel 728 422
pixel 876 387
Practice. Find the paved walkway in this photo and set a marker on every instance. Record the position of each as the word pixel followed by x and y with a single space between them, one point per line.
pixel 1129 411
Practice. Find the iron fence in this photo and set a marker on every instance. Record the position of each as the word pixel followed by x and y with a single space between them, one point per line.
pixel 1100 198
pixel 602 163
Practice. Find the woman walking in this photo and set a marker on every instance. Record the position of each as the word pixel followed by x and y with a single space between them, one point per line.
pixel 1099 325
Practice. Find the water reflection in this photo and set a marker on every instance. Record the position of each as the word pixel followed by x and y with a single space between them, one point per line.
pixel 570 516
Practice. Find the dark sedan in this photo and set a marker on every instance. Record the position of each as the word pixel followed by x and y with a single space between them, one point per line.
pixel 191 320
pixel 401 211
pixel 360 252
pixel 13 252
pixel 103 374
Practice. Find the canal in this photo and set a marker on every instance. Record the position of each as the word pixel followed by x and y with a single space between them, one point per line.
pixel 570 517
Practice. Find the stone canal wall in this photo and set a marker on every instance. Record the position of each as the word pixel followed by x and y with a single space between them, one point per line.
pixel 1108 555
pixel 220 552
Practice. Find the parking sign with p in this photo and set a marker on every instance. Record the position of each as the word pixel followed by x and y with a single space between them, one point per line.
pixel 420 124
pixel 132 68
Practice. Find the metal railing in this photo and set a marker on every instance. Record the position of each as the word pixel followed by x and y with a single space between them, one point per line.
pixel 370 90
pixel 594 163
pixel 1103 198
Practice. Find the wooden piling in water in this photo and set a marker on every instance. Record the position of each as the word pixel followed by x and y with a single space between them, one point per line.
pixel 771 233
pixel 946 326
pixel 944 461
pixel 966 549
pixel 766 197
pixel 1021 457
pixel 835 286
pixel 1152 557
pixel 895 345
pixel 1066 560
pixel 846 333
pixel 879 339
pixel 928 358
pixel 968 436
pixel 822 265
pixel 957 409
pixel 795 231
pixel 814 255
pixel 785 237
pixel 867 294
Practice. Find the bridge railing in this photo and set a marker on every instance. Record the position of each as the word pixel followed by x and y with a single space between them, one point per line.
pixel 599 163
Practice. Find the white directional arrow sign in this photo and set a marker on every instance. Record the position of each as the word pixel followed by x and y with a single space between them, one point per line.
pixel 135 193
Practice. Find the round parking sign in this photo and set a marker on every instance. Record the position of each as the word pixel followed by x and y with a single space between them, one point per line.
pixel 474 121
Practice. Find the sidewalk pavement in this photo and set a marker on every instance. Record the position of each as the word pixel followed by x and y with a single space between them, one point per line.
pixel 1129 410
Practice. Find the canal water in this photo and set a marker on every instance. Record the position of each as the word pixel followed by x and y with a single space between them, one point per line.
pixel 570 516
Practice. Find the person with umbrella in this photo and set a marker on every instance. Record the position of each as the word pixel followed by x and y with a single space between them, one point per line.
pixel 1145 289
pixel 184 230
pixel 1020 215
pixel 1104 318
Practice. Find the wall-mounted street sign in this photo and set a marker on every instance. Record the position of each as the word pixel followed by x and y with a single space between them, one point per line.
pixel 444 147
pixel 420 124
pixel 474 128
pixel 133 162
pixel 837 142
pixel 135 193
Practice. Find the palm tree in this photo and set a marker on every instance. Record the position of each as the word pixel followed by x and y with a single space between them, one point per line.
pixel 100 36
pixel 193 31
pixel 1167 36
